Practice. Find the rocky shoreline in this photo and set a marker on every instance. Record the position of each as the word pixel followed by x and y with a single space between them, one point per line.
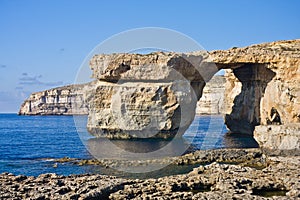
pixel 219 174
pixel 253 157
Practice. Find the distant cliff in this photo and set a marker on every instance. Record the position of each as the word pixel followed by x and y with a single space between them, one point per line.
pixel 212 100
pixel 66 100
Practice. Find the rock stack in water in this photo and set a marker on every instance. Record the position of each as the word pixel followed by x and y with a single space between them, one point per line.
pixel 142 96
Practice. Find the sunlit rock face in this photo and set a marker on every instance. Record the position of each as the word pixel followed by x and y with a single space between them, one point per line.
pixel 142 96
pixel 269 72
pixel 157 66
pixel 262 92
pixel 139 109
pixel 279 139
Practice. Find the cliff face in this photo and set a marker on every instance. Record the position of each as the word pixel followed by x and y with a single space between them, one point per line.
pixel 140 110
pixel 212 99
pixel 245 89
pixel 158 66
pixel 67 100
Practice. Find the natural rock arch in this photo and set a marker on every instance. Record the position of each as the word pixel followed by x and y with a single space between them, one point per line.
pixel 258 78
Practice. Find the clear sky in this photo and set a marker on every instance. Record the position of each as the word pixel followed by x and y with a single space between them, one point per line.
pixel 43 43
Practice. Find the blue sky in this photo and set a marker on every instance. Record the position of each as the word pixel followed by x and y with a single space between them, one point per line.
pixel 43 43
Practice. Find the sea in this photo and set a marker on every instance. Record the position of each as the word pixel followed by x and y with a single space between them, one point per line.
pixel 29 145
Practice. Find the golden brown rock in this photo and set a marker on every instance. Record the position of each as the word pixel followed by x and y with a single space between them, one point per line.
pixel 140 109
pixel 262 88
pixel 259 78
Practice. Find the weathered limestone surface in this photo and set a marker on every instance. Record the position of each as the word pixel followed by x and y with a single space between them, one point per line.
pixel 222 181
pixel 152 95
pixel 265 76
pixel 158 66
pixel 140 109
pixel 67 100
pixel 245 89
pixel 211 102
pixel 279 139
pixel 45 102
pixel 262 80
pixel 276 178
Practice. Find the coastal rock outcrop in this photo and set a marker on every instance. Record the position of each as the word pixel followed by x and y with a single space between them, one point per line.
pixel 259 79
pixel 70 100
pixel 262 89
pixel 140 110
pixel 279 139
pixel 157 66
pixel 142 96
pixel 264 76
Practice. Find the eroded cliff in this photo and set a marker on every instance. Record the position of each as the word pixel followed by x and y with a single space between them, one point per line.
pixel 70 100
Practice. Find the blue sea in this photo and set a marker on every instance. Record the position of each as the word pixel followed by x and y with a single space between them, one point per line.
pixel 28 144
